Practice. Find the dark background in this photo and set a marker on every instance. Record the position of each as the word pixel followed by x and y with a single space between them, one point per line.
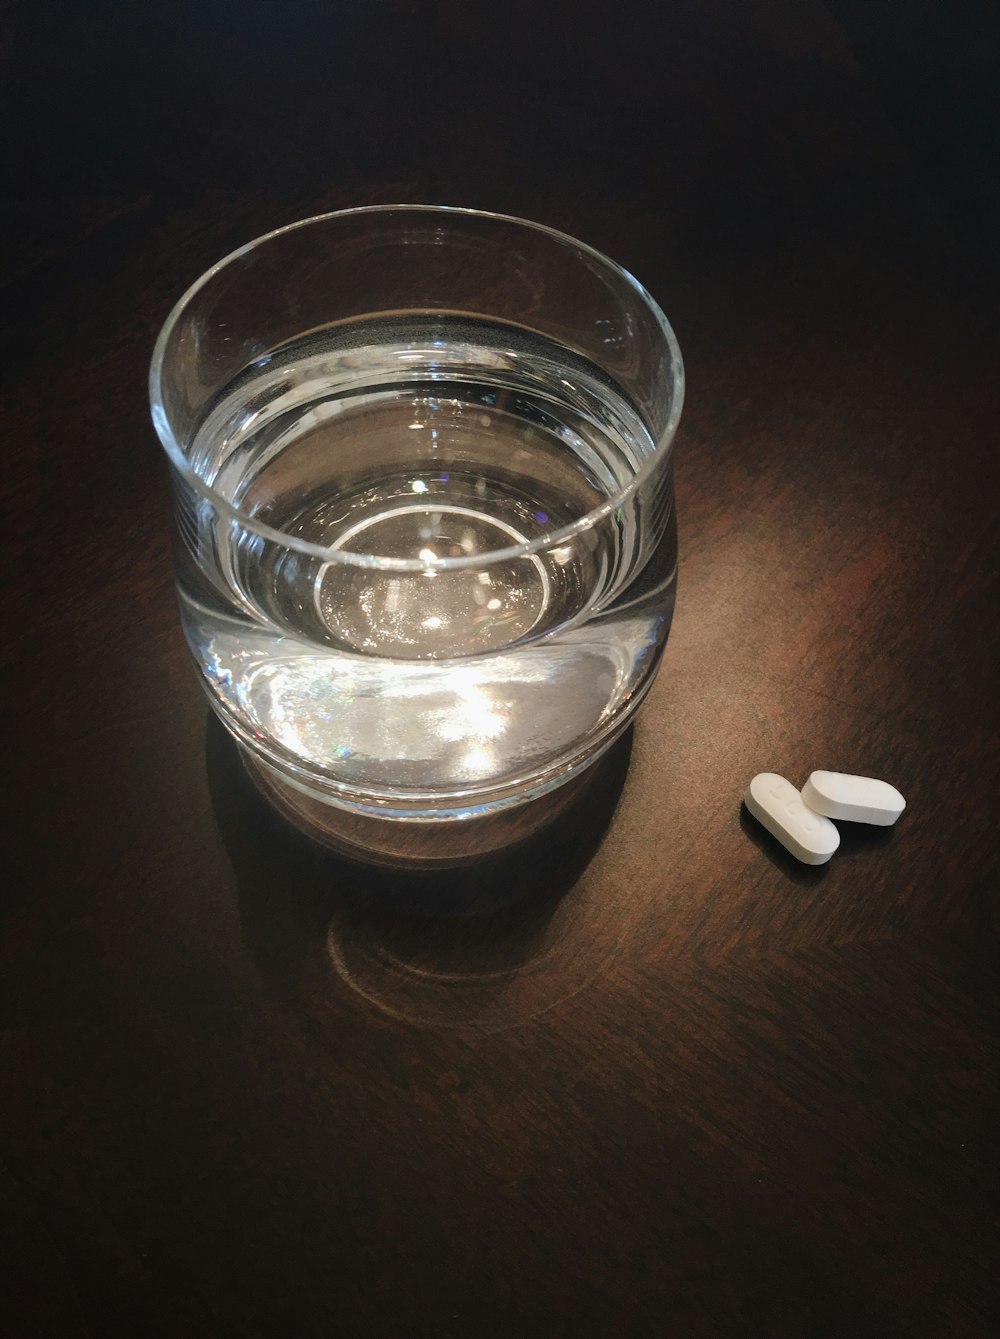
pixel 661 1084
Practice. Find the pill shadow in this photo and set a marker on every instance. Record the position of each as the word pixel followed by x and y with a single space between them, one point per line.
pixel 480 920
pixel 855 839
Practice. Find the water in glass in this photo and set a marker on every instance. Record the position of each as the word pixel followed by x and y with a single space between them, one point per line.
pixel 434 641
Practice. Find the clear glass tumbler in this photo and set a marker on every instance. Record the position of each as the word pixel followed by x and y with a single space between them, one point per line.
pixel 425 546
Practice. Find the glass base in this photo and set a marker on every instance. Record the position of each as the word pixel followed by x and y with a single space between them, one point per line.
pixel 428 838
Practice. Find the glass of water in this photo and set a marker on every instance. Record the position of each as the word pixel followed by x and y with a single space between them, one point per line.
pixel 425 543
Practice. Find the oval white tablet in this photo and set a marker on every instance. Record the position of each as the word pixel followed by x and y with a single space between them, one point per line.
pixel 858 799
pixel 776 803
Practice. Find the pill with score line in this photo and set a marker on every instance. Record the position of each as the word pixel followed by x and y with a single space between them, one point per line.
pixel 856 799
pixel 776 804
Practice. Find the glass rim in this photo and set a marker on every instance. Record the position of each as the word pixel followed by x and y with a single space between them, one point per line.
pixel 549 539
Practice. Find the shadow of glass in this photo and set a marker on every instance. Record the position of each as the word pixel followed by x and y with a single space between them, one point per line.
pixel 481 942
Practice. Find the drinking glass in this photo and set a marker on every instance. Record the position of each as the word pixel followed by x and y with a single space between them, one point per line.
pixel 425 543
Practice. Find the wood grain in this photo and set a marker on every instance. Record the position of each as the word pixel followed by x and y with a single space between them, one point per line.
pixel 640 1075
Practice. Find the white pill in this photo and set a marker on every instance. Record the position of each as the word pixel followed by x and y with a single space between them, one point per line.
pixel 859 799
pixel 776 803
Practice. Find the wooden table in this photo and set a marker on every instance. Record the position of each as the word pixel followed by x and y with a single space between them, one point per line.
pixel 649 1077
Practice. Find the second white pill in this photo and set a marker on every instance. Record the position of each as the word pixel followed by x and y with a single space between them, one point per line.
pixel 858 799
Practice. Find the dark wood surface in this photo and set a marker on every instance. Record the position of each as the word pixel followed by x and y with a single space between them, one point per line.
pixel 645 1076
